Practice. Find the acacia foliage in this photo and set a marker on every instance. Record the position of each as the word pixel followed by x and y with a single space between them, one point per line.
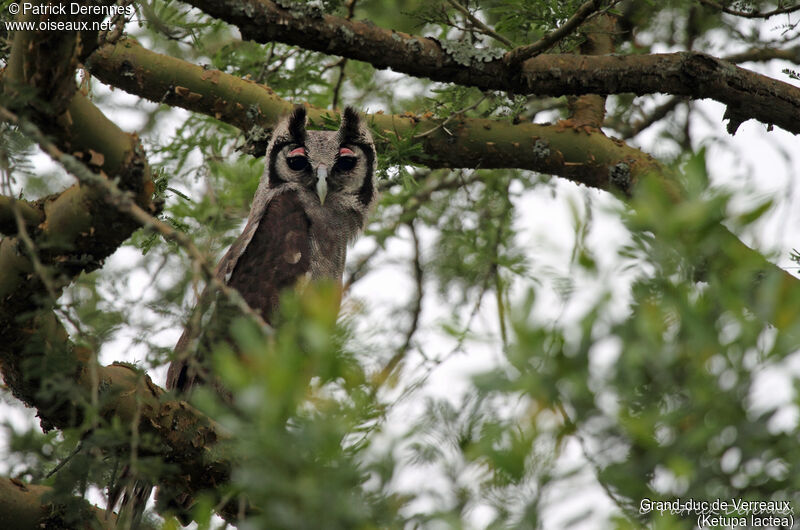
pixel 644 354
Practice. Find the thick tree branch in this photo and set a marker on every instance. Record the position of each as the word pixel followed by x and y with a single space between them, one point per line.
pixel 123 392
pixel 589 159
pixel 660 112
pixel 697 75
pixel 79 229
pixel 590 109
pixel 42 63
pixel 45 60
pixel 125 203
pixel 751 14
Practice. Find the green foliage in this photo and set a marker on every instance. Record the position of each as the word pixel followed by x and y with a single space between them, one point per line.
pixel 528 20
pixel 30 451
pixel 402 148
pixel 15 150
pixel 671 409
pixel 302 411
pixel 173 22
pixel 476 240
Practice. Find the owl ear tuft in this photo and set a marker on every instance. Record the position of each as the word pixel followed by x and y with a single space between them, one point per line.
pixel 297 125
pixel 350 130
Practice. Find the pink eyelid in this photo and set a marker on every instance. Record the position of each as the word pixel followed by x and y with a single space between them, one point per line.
pixel 297 152
pixel 346 152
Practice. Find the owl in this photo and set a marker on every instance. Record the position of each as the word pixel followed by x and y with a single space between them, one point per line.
pixel 312 201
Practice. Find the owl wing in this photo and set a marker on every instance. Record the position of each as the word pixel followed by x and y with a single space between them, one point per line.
pixel 277 253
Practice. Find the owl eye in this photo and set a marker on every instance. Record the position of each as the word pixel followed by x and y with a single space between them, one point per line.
pixel 297 163
pixel 346 163
pixel 296 159
pixel 347 159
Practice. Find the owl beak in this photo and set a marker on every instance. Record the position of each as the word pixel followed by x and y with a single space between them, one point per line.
pixel 322 183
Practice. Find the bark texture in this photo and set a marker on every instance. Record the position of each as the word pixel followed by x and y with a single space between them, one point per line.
pixel 693 74
pixel 561 149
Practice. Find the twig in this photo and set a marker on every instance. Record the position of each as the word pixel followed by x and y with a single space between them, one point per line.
pixel 501 313
pixel 40 270
pixel 630 130
pixel 158 24
pixel 265 73
pixel 69 457
pixel 750 14
pixel 359 270
pixel 260 78
pixel 416 310
pixel 432 364
pixel 335 64
pixel 412 204
pixel 111 36
pixel 338 86
pixel 587 9
pixel 594 463
pixel 486 30
pixel 452 117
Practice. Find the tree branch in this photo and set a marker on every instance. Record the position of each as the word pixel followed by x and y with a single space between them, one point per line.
pixel 125 203
pixel 590 110
pixel 585 157
pixel 551 149
pixel 24 507
pixel 630 130
pixel 697 75
pixel 78 231
pixel 415 310
pixel 145 411
pixel 476 22
pixel 765 54
pixel 750 14
pixel 518 55
pixel 754 54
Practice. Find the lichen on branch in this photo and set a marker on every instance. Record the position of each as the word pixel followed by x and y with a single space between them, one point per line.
pixel 693 74
pixel 583 156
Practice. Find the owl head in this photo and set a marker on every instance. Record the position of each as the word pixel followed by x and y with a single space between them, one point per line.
pixel 336 165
